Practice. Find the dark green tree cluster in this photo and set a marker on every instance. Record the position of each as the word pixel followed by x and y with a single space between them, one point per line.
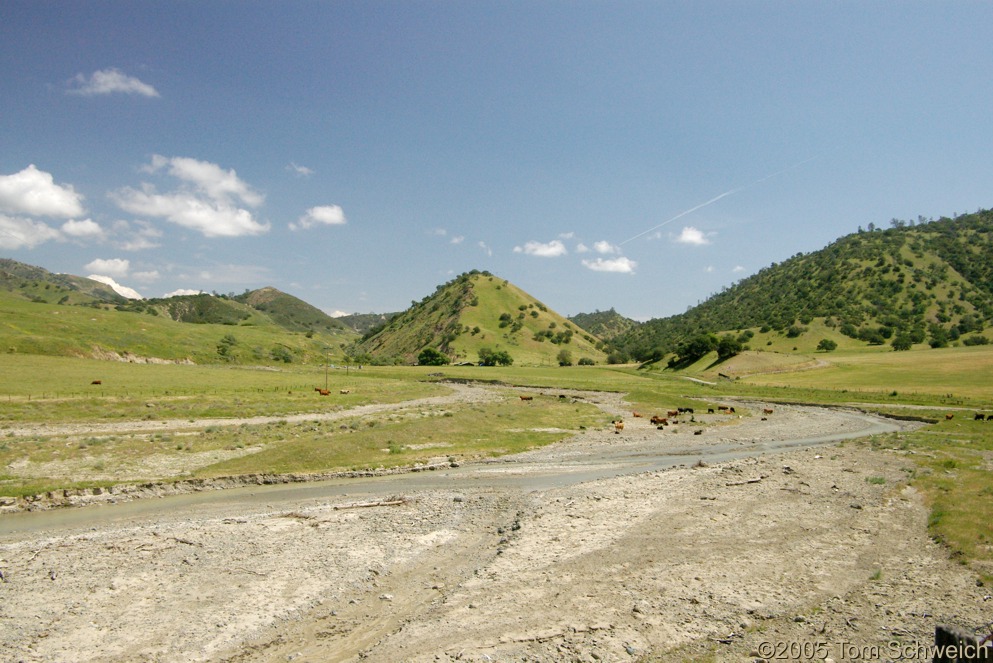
pixel 490 357
pixel 432 357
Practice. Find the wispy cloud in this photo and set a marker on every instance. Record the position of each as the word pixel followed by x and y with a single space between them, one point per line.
pixel 136 235
pixel 109 81
pixel 210 199
pixel 551 249
pixel 299 170
pixel 486 249
pixel 322 215
pixel 619 265
pixel 604 246
pixel 18 232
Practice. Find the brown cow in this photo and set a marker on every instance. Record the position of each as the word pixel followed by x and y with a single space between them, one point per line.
pixel 766 411
pixel 949 417
pixel 636 413
pixel 97 382
pixel 656 419
pixel 618 426
pixel 527 398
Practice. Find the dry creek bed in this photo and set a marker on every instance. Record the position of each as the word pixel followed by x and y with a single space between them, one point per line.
pixel 820 550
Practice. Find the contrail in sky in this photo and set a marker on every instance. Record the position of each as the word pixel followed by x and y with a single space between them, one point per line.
pixel 716 198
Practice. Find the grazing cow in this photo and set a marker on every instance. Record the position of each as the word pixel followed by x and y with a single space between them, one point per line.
pixel 527 398
pixel 672 413
pixel 636 413
pixel 979 417
pixel 657 420
pixel 949 417
pixel 766 411
pixel 618 426
pixel 97 382
pixel 710 410
pixel 324 392
pixel 345 391
pixel 989 417
pixel 698 432
pixel 722 408
pixel 731 410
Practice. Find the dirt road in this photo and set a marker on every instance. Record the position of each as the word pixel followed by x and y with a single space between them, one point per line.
pixel 590 549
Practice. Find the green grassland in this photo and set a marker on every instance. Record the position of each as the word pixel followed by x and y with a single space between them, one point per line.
pixel 39 328
pixel 526 346
pixel 954 457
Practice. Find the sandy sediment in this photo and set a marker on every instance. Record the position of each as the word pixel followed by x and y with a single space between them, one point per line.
pixel 822 547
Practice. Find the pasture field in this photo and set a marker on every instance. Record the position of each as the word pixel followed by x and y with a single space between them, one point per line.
pixel 59 389
pixel 954 457
pixel 36 328
pixel 920 375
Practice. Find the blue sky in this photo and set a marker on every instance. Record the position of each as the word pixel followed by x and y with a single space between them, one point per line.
pixel 635 155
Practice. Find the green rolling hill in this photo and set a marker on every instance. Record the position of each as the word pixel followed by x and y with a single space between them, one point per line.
pixel 476 311
pixel 914 283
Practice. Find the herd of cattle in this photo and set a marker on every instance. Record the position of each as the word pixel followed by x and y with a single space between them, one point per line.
pixel 671 417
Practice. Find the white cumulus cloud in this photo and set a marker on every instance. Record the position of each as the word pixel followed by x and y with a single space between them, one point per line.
pixel 122 290
pixel 620 265
pixel 82 229
pixel 117 267
pixel 210 199
pixel 34 192
pixel 604 246
pixel 322 215
pixel 109 81
pixel 691 235
pixel 181 292
pixel 551 249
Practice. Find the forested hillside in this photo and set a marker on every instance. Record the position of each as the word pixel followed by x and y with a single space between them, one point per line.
pixel 915 282
pixel 604 324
